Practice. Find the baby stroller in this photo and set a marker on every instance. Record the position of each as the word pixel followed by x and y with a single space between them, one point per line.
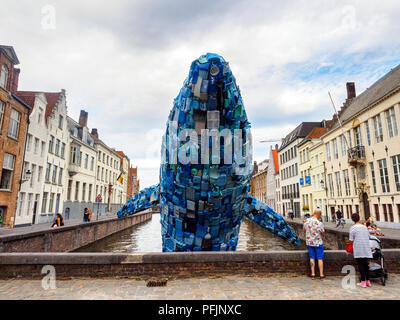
pixel 377 268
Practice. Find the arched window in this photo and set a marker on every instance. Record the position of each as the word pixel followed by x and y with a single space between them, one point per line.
pixel 3 76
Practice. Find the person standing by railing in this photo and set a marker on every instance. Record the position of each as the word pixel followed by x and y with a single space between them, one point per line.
pixel 359 236
pixel 314 230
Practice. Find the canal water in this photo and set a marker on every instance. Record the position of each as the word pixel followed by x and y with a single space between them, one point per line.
pixel 146 237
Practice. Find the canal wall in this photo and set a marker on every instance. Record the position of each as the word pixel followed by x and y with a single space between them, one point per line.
pixel 335 239
pixel 176 265
pixel 70 237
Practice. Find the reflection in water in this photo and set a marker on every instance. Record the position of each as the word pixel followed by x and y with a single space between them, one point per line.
pixel 147 238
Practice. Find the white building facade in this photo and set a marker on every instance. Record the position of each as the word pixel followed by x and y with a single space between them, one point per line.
pixel 31 191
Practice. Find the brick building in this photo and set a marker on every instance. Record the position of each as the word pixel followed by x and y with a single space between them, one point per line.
pixel 133 183
pixel 14 115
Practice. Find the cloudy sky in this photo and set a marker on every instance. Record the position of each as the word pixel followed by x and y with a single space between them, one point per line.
pixel 124 61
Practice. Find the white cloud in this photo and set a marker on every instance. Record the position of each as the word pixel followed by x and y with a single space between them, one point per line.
pixel 125 61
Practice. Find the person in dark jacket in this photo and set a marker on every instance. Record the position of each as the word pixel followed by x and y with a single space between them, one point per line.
pixel 58 221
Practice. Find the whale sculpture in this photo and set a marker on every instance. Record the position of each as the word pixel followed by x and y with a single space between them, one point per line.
pixel 206 167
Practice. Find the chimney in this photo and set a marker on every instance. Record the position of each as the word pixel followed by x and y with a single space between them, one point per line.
pixel 351 90
pixel 14 86
pixel 83 117
pixel 95 134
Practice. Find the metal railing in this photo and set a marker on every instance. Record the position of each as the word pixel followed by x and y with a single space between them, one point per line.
pixel 356 153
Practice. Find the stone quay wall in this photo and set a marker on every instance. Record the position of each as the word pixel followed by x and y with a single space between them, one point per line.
pixel 70 237
pixel 335 239
pixel 176 265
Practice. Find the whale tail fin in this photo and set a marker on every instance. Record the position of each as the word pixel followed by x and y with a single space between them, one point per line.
pixel 145 199
pixel 270 220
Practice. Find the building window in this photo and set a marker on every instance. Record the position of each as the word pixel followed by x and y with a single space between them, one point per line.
pixel 396 171
pixel 383 171
pixel 44 202
pixel 28 142
pixel 343 145
pixel 371 166
pixel 62 150
pixel 335 149
pixel 90 193
pixel 378 128
pixel 75 154
pixel 368 132
pixel 92 164
pixel 83 191
pixel 354 174
pixel 60 173
pixel 13 128
pixel 51 143
pixel 60 122
pixel 346 182
pixel 350 139
pixel 43 149
pixel 33 171
pixel 28 209
pixel 86 161
pixel 47 176
pixel 7 171
pixel 1 114
pixel 54 176
pixel 21 204
pixel 328 152
pixel 40 115
pixel 76 190
pixel 358 136
pixel 57 149
pixel 40 172
pixel 391 122
pixel 331 188
pixel 338 184
pixel 36 146
pixel 69 190
pixel 51 203
pixel 4 76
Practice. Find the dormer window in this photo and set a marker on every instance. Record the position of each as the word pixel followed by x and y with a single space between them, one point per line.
pixel 3 76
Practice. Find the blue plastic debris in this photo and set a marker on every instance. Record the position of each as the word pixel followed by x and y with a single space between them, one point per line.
pixel 203 204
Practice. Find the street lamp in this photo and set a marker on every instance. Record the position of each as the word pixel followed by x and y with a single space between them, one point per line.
pixel 27 176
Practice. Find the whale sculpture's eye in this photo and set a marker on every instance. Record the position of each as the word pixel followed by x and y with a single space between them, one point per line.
pixel 214 70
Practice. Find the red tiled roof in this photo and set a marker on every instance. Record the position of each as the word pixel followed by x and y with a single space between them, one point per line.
pixel 28 97
pixel 52 98
pixel 316 133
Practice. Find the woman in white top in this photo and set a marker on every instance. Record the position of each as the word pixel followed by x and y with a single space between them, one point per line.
pixel 359 235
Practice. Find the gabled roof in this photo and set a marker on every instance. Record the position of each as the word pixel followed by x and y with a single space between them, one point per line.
pixel 27 97
pixel 316 133
pixel 51 97
pixel 301 131
pixel 383 87
pixel 10 53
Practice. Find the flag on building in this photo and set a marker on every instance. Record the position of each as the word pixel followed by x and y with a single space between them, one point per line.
pixel 121 179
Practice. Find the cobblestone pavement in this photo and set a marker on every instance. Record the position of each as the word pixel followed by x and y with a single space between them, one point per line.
pixel 231 288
